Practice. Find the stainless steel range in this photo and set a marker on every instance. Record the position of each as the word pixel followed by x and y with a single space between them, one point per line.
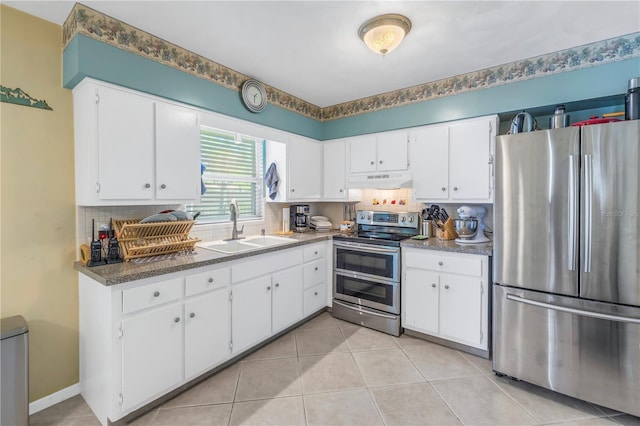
pixel 366 277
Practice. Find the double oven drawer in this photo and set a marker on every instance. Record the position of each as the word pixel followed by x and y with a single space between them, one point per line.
pixel 367 275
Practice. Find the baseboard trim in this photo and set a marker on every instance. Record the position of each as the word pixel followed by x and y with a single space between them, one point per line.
pixel 54 398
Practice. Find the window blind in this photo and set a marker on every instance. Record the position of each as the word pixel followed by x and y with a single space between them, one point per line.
pixel 233 170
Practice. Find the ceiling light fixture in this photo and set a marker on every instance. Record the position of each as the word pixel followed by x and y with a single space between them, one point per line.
pixel 384 33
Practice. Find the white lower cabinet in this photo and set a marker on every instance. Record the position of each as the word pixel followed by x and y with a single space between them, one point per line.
pixel 446 295
pixel 207 331
pixel 142 339
pixel 286 298
pixel 251 313
pixel 151 354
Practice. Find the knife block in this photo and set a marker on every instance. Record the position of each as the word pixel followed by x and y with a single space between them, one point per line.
pixel 449 231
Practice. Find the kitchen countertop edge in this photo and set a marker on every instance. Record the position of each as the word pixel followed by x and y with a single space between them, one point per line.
pixel 125 272
pixel 433 243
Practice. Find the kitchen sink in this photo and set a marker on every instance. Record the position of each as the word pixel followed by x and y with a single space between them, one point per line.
pixel 250 243
pixel 268 240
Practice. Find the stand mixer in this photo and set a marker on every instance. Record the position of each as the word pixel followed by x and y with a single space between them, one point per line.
pixel 470 225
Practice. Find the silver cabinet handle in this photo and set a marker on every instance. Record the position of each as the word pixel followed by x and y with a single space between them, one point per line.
pixel 277 284
pixel 147 185
pixel 455 188
pixel 372 163
pixel 341 191
pixel 573 211
pixel 177 319
pixel 316 269
pixel 315 293
pixel 156 293
pixel 293 190
pixel 192 315
pixel 163 186
pixel 588 205
pixel 446 287
pixel 444 189
pixel 573 310
pixel 268 287
pixel 210 280
pixel 433 285
pixel 380 161
pixel 440 263
pixel 315 253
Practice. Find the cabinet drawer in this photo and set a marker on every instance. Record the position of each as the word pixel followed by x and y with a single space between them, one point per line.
pixel 453 263
pixel 257 266
pixel 208 280
pixel 151 295
pixel 314 273
pixel 313 252
pixel 314 299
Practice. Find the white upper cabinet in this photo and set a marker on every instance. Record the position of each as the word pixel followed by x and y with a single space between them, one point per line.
pixel 454 162
pixel 378 153
pixel 176 153
pixel 131 148
pixel 305 169
pixel 335 170
pixel 299 166
pixel 429 153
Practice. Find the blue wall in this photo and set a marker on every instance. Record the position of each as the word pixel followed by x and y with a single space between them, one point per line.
pixel 86 57
pixel 585 92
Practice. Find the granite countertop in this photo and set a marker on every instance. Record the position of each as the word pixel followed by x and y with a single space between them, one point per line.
pixel 130 271
pixel 433 243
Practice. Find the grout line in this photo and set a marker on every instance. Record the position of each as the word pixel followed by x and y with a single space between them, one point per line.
pixel 444 401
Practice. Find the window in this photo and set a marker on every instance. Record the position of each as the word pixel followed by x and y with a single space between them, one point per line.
pixel 234 165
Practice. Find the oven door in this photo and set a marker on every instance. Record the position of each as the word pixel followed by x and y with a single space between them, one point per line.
pixel 377 262
pixel 378 294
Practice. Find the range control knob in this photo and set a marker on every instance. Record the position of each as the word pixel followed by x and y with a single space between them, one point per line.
pixel 411 219
pixel 403 219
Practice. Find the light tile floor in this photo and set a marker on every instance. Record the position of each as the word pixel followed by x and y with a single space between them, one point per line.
pixel 329 372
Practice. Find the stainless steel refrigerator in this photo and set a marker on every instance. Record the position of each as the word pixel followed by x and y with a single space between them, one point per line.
pixel 566 299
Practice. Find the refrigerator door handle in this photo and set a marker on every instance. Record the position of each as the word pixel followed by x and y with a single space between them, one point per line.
pixel 588 206
pixel 573 310
pixel 573 212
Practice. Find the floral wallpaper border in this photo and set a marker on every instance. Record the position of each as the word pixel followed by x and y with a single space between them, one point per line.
pixel 94 24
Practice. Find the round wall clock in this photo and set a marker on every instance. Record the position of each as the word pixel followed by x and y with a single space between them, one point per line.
pixel 254 96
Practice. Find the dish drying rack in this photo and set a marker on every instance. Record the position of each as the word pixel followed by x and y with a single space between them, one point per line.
pixel 151 239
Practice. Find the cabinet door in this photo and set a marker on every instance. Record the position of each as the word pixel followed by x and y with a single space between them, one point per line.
pixel 469 161
pixel 314 299
pixel 286 298
pixel 207 331
pixel 392 151
pixel 151 354
pixel 177 153
pixel 250 313
pixel 335 169
pixel 362 154
pixel 125 146
pixel 430 163
pixel 305 169
pixel 420 294
pixel 461 308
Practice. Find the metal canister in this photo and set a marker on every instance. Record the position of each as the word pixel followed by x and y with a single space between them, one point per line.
pixel 426 228
pixel 632 100
pixel 559 119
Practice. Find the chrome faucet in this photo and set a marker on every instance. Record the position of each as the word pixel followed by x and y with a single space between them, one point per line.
pixel 235 212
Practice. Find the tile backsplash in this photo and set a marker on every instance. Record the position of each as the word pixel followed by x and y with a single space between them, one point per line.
pixel 394 200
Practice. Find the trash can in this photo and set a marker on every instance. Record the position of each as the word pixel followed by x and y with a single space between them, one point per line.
pixel 14 372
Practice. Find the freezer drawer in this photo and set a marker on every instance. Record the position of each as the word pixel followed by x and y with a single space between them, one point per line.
pixel 588 350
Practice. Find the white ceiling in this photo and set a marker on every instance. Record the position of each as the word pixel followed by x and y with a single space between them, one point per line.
pixel 311 49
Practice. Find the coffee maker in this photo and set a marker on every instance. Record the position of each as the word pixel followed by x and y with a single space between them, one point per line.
pixel 299 217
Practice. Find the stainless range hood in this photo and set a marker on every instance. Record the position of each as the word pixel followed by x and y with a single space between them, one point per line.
pixel 382 180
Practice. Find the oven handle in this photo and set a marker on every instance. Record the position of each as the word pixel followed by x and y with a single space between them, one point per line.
pixel 366 247
pixel 368 312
